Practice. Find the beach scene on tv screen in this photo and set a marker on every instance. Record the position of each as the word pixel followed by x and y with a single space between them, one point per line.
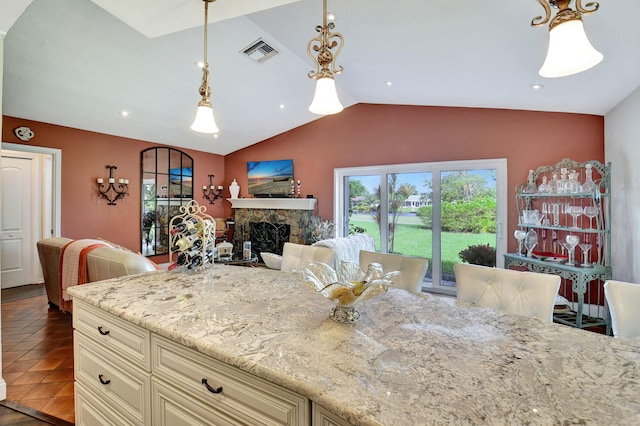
pixel 270 177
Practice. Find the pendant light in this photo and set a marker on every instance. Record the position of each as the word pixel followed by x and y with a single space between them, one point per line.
pixel 204 122
pixel 325 101
pixel 570 51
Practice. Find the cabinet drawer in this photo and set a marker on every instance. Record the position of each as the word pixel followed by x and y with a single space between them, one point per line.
pixel 91 411
pixel 173 407
pixel 243 396
pixel 126 388
pixel 125 339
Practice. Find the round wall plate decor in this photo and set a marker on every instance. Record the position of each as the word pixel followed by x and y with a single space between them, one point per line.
pixel 24 133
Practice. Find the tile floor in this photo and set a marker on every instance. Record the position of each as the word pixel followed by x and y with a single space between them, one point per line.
pixel 37 356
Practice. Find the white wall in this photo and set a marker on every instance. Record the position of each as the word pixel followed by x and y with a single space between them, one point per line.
pixel 3 384
pixel 622 149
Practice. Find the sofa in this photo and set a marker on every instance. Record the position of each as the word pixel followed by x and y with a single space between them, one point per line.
pixel 103 261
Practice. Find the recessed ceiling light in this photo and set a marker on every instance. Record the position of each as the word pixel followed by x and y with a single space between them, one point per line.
pixel 215 135
pixel 124 113
pixel 331 16
pixel 281 106
pixel 388 83
pixel 537 86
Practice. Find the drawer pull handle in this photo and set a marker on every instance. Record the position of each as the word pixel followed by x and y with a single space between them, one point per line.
pixel 209 388
pixel 103 381
pixel 104 333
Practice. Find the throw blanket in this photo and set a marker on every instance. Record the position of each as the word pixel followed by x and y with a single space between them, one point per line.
pixel 73 266
pixel 348 249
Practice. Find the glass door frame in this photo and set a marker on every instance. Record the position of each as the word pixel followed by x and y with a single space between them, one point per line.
pixel 435 168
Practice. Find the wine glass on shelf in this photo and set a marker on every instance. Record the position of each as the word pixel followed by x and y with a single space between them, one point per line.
pixel 519 234
pixel 572 242
pixel 585 253
pixel 530 242
pixel 590 212
pixel 575 211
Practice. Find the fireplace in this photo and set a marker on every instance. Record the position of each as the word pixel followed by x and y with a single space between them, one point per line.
pixel 268 237
pixel 269 223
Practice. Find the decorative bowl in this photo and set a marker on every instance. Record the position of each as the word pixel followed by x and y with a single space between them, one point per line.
pixel 347 287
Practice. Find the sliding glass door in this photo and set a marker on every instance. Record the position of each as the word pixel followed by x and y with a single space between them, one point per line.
pixel 432 210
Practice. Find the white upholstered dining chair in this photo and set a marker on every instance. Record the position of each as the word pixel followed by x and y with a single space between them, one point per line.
pixel 299 255
pixel 515 292
pixel 623 299
pixel 412 269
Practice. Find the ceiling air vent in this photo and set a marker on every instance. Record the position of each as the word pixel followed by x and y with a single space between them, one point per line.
pixel 259 51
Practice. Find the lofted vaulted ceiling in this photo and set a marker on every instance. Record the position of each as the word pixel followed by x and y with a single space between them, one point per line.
pixel 78 63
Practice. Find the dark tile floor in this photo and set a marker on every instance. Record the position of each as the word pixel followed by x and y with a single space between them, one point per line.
pixel 37 357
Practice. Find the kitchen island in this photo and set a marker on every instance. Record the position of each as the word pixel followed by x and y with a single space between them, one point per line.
pixel 412 359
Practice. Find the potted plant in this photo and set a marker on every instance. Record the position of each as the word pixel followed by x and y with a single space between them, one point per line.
pixel 479 254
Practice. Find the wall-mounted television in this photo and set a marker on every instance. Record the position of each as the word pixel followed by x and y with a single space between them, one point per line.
pixel 270 178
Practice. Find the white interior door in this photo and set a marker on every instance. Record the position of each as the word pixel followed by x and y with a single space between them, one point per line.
pixel 18 220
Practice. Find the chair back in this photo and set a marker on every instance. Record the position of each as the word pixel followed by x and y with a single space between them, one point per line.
pixel 412 269
pixel 623 299
pixel 525 293
pixel 299 255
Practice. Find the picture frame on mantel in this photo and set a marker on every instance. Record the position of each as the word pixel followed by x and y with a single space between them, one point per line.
pixel 270 179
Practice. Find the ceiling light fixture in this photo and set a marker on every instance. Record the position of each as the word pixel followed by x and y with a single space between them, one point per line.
pixel 325 101
pixel 204 122
pixel 570 51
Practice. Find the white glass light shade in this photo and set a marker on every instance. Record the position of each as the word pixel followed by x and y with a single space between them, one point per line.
pixel 570 51
pixel 325 101
pixel 204 122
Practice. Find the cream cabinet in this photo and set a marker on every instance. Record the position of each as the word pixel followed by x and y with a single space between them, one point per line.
pixel 220 389
pixel 112 369
pixel 323 417
pixel 126 375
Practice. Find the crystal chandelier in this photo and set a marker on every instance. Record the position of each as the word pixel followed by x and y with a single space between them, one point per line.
pixel 325 100
pixel 204 122
pixel 570 51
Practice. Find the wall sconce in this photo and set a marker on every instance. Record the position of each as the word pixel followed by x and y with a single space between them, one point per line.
pixel 110 192
pixel 210 192
pixel 570 51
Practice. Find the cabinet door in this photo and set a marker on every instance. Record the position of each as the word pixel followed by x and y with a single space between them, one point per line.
pixel 322 417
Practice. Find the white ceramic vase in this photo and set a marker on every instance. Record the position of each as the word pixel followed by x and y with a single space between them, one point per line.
pixel 234 189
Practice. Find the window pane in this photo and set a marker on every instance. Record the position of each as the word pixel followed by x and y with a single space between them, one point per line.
pixel 468 216
pixel 409 214
pixel 363 195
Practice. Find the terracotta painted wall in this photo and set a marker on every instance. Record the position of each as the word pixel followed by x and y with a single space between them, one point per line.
pixel 366 134
pixel 84 157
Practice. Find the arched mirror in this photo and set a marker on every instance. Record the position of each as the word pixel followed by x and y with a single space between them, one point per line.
pixel 167 184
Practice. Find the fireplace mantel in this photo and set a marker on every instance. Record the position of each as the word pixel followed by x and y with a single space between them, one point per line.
pixel 273 203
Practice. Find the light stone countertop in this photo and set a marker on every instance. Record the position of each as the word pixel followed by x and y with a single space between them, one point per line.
pixel 412 360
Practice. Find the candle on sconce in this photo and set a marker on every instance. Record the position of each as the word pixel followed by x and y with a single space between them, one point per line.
pixel 204 187
pixel 112 180
pixel 220 187
pixel 120 181
pixel 126 181
pixel 212 187
pixel 100 181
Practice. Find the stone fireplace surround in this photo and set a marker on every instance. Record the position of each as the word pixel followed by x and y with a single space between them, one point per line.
pixel 269 218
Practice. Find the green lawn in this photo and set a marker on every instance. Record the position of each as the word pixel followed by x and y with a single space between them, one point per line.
pixel 412 239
